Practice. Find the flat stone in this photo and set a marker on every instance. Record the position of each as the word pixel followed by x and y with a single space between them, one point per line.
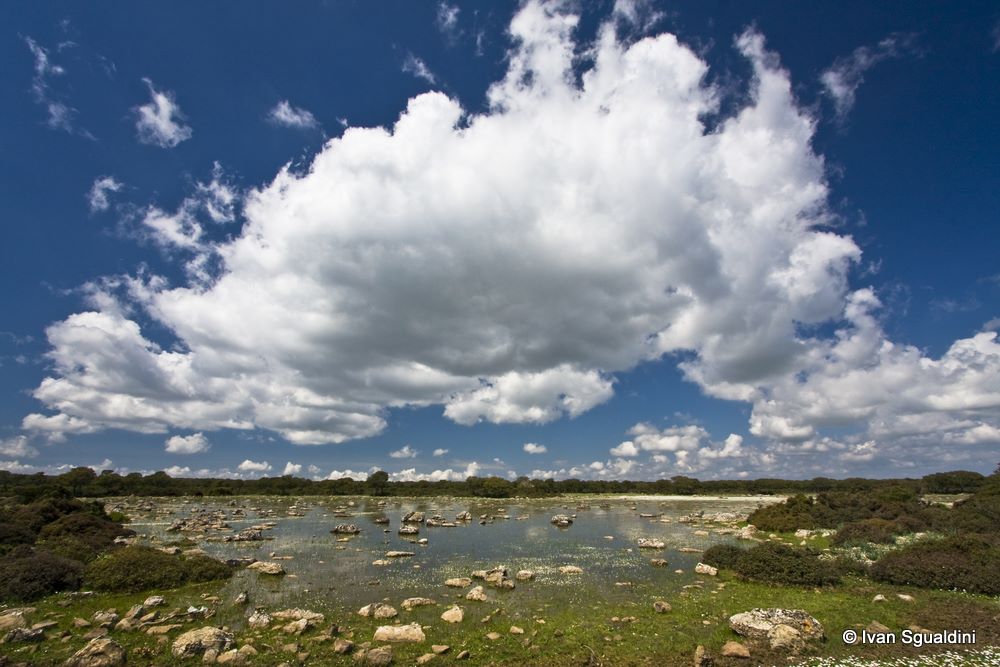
pixel 453 615
pixel 570 569
pixel 493 636
pixel 459 582
pixel 267 567
pixel 101 652
pixel 196 642
pixel 440 648
pixel 379 657
pixel 734 650
pixel 757 623
pixel 412 603
pixel 702 568
pixel 411 632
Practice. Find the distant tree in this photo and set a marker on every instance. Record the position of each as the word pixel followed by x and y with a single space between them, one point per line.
pixel 377 482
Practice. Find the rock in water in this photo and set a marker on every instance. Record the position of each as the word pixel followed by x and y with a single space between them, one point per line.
pixel 459 582
pixel 410 603
pixel 412 632
pixel 650 543
pixel 102 652
pixel 346 529
pixel 561 520
pixel 757 623
pixel 476 594
pixel 196 642
pixel 266 567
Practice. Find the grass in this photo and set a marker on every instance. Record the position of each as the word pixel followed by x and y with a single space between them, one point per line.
pixel 581 633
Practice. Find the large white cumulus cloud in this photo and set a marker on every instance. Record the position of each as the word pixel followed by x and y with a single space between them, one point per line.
pixel 504 265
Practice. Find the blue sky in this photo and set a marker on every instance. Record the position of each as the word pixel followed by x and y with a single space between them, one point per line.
pixel 596 239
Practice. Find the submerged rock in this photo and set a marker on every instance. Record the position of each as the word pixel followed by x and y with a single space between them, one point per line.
pixel 561 520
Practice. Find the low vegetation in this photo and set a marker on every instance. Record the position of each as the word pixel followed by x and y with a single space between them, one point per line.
pixel 134 569
pixel 776 563
pixel 961 562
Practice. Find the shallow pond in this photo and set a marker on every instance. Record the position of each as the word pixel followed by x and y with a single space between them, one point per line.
pixel 339 576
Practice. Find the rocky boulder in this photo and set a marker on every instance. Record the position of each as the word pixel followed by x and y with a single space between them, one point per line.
pixel 378 610
pixel 102 652
pixel 757 623
pixel 411 632
pixel 195 642
pixel 453 615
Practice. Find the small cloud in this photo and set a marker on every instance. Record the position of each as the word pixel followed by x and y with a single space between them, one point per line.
pixel 159 122
pixel 440 451
pixel 533 448
pixel 195 443
pixel 97 197
pixel 626 448
pixel 17 447
pixel 447 19
pixel 406 452
pixel 995 33
pixel 992 325
pixel 842 79
pixel 286 115
pixel 60 115
pixel 419 69
pixel 254 466
pixel 292 468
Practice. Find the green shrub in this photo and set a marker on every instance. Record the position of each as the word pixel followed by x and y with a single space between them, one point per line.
pixel 964 562
pixel 781 564
pixel 28 574
pixel 724 556
pixel 879 531
pixel 96 532
pixel 796 512
pixel 134 569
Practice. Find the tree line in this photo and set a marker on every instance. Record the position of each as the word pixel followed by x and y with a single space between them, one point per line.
pixel 84 482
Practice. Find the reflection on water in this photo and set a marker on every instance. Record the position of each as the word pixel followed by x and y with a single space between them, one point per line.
pixel 324 573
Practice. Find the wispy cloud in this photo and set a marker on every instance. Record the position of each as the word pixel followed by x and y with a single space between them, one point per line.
pixel 97 196
pixel 159 123
pixel 59 114
pixel 842 79
pixel 419 69
pixel 406 452
pixel 287 115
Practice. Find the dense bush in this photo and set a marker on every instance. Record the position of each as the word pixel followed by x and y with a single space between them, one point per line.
pixel 96 532
pixel 27 574
pixel 978 514
pixel 781 564
pixel 963 562
pixel 724 556
pixel 134 569
pixel 879 531
pixel 897 503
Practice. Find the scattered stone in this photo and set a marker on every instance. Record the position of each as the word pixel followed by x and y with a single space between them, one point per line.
pixel 702 568
pixel 80 623
pixel 659 562
pixel 784 637
pixel 661 607
pixel 650 543
pixel 514 630
pixel 701 657
pixel 476 594
pixel 196 642
pixel 267 567
pixel 408 530
pixel 493 636
pixel 462 655
pixel 561 520
pixel 157 630
pixel 98 653
pixel 904 597
pixel 878 598
pixel 439 649
pixel 413 517
pixel 412 632
pixel 398 554
pixel 757 623
pixel 734 650
pixel 570 569
pixel 15 618
pixel 259 619
pixel 700 533
pixel 525 575
pixel 23 635
pixel 297 627
pixel 297 614
pixel 690 550
pixel 453 615
pixel 877 628
pixel 342 646
pixel 410 603
pixel 105 618
pixel 463 516
pixel 459 582
pixel 425 658
pixel 378 610
pixel 154 601
pixel 347 529
pixel 379 657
